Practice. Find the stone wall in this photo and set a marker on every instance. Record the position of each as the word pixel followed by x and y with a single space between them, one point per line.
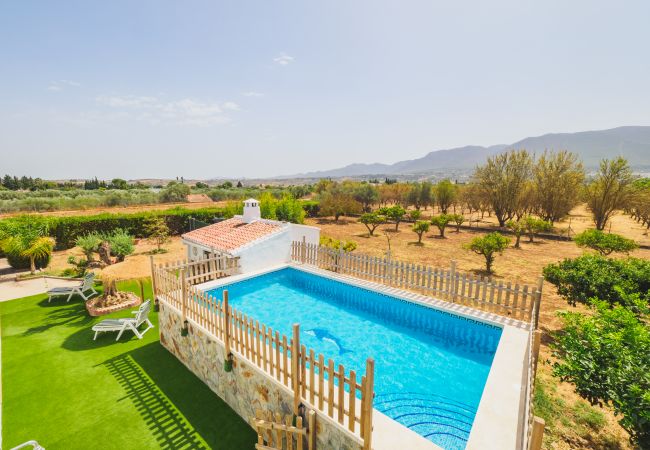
pixel 245 389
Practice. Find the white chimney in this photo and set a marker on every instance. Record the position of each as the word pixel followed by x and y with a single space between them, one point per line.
pixel 251 210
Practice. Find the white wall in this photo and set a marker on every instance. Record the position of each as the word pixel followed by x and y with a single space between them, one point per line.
pixel 311 234
pixel 274 250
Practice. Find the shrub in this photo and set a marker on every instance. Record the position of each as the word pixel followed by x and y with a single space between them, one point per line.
pixel 394 213
pixel 604 243
pixel 372 221
pixel 415 215
pixel 347 246
pixel 175 193
pixel 311 208
pixel 441 222
pixel 121 243
pixel 80 267
pixel 518 228
pixel 610 280
pixel 89 243
pixel 534 225
pixel 157 232
pixel 606 355
pixel 420 227
pixel 489 246
pixel 288 209
pixel 458 219
pixel 66 230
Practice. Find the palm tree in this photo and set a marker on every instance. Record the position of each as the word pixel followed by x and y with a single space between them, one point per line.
pixel 28 246
pixel 26 237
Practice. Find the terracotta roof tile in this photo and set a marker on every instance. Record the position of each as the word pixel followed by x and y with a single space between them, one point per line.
pixel 231 234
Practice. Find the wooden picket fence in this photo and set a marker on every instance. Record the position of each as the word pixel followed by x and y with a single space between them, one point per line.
pixel 504 298
pixel 513 300
pixel 273 433
pixel 327 387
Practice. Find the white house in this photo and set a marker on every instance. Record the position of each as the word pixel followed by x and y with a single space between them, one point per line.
pixel 258 242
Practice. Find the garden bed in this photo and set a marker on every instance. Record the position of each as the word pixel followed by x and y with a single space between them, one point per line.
pixel 122 300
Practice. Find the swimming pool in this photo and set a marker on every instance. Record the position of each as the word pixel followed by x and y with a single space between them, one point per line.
pixel 430 366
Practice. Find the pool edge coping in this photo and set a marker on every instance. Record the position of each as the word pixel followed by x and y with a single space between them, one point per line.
pixel 499 415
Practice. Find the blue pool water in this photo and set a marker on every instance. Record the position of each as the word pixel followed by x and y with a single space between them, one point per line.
pixel 430 366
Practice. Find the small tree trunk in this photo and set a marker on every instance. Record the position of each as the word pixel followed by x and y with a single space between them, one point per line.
pixel 517 241
pixel 32 264
pixel 489 259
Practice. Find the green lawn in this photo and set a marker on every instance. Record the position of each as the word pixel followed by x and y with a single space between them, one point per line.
pixel 69 392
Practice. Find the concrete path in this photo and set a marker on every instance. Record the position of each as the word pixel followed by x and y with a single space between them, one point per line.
pixel 11 289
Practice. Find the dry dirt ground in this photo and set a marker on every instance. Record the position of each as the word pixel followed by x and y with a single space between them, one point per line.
pixel 523 265
pixel 578 220
pixel 136 265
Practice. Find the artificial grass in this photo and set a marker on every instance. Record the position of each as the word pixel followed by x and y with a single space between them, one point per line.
pixel 67 391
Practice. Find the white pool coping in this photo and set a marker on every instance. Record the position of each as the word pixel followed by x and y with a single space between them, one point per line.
pixel 500 416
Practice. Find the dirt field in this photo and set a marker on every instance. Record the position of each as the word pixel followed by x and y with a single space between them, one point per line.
pixel 578 220
pixel 523 265
pixel 136 265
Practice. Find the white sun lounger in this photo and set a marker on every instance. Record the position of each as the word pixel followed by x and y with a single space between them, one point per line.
pixel 86 285
pixel 121 325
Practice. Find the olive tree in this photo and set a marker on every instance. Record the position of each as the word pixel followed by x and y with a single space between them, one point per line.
pixel 420 227
pixel 367 195
pixel 558 179
pixel 338 200
pixel 489 246
pixel 441 221
pixel 395 213
pixel 372 221
pixel 533 225
pixel 502 180
pixel 446 194
pixel 604 243
pixel 609 190
pixel 518 227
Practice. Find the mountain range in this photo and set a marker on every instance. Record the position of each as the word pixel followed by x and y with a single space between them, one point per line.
pixel 632 142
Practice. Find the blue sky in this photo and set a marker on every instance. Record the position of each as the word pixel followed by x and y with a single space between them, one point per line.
pixel 247 89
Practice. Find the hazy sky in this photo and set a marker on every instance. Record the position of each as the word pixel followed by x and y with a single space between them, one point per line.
pixel 138 89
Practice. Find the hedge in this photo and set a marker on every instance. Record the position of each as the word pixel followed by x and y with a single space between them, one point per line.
pixel 66 229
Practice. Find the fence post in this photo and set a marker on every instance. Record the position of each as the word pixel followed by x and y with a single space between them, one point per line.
pixel 538 300
pixel 303 250
pixel 295 367
pixel 213 266
pixel 537 434
pixel 312 430
pixel 367 404
pixel 184 328
pixel 153 283
pixel 537 340
pixel 227 364
pixel 452 281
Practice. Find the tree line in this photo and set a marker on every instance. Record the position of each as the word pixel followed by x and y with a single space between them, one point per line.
pixel 512 186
